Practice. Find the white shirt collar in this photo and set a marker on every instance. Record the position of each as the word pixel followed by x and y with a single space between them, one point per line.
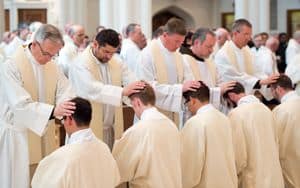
pixel 205 108
pixel 163 47
pixel 235 46
pixel 247 99
pixel 150 113
pixel 81 136
pixel 289 96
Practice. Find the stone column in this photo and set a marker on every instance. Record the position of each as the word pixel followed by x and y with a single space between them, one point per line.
pixel 146 17
pixel 264 15
pixel 106 13
pixel 254 15
pixel 241 9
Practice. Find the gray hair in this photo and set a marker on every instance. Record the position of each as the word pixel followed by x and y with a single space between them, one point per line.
pixel 50 32
pixel 239 23
pixel 201 34
pixel 130 28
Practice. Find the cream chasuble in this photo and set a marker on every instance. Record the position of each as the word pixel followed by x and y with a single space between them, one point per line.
pixel 256 151
pixel 148 154
pixel 207 157
pixel 287 117
pixel 84 162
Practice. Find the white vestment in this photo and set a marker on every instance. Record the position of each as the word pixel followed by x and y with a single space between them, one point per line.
pixel 237 71
pixel 287 117
pixel 266 59
pixel 256 151
pixel 168 95
pixel 293 48
pixel 148 154
pixel 103 92
pixel 207 156
pixel 66 57
pixel 13 45
pixel 130 54
pixel 18 113
pixel 293 71
pixel 210 77
pixel 84 162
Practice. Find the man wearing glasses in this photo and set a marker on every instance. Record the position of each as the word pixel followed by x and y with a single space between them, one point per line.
pixel 33 91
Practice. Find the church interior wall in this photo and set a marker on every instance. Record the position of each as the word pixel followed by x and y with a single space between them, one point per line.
pixel 282 7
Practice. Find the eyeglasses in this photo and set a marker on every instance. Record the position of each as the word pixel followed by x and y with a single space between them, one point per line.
pixel 44 53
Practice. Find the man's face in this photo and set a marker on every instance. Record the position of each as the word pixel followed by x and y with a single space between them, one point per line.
pixel 275 93
pixel 173 41
pixel 204 49
pixel 104 53
pixel 258 42
pixel 78 37
pixel 242 36
pixel 137 35
pixel 46 50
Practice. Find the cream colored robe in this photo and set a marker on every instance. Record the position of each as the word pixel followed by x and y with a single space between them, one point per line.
pixel 166 72
pixel 101 84
pixel 256 151
pixel 148 154
pixel 207 156
pixel 287 117
pixel 21 111
pixel 85 162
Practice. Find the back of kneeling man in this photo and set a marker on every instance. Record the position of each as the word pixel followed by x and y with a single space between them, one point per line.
pixel 148 154
pixel 84 161
pixel 207 155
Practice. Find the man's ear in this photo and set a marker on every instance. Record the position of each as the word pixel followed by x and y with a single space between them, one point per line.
pixel 231 95
pixel 193 100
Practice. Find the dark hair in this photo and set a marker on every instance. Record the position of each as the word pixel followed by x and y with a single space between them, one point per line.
pixel 201 93
pixel 108 36
pixel 283 81
pixel 239 23
pixel 83 112
pixel 146 95
pixel 201 34
pixel 237 89
pixel 175 26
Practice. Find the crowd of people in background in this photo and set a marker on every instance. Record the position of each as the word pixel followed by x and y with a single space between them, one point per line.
pixel 213 107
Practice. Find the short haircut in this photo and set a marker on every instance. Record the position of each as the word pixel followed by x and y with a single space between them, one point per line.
pixel 108 36
pixel 159 31
pixel 50 32
pixel 146 95
pixel 83 112
pixel 237 89
pixel 130 28
pixel 257 35
pixel 239 23
pixel 283 81
pixel 175 26
pixel 201 34
pixel 201 93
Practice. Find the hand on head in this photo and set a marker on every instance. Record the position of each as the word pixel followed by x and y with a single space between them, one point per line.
pixel 65 108
pixel 190 85
pixel 133 87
